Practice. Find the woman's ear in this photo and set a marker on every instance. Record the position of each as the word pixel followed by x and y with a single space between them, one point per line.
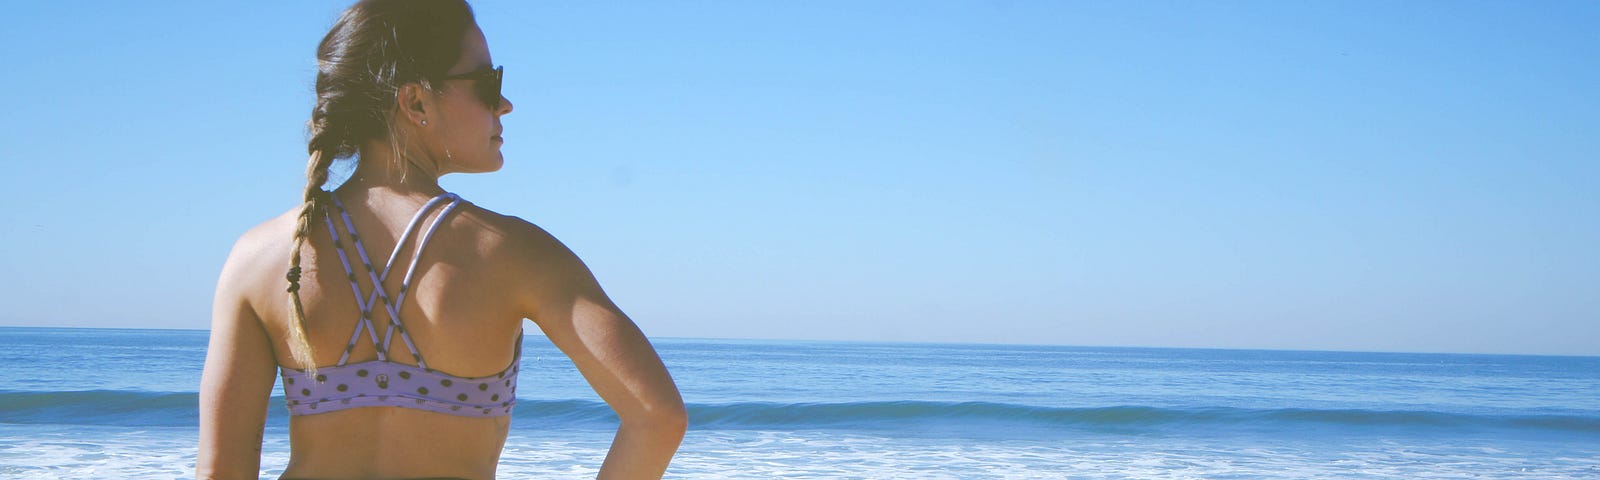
pixel 414 103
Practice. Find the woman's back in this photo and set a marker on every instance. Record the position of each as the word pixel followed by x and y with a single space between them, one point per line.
pixel 460 311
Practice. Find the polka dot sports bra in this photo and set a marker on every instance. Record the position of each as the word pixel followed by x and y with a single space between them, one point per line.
pixel 382 383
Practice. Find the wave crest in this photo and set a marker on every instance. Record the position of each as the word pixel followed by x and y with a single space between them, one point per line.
pixel 131 408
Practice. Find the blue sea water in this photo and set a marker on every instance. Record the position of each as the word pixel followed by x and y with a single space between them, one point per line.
pixel 97 403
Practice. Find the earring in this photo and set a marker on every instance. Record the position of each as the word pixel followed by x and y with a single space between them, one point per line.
pixel 424 122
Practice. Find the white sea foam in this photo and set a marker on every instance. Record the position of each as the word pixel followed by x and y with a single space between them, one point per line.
pixel 29 452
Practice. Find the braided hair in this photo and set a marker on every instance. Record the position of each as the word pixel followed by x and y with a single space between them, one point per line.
pixel 374 48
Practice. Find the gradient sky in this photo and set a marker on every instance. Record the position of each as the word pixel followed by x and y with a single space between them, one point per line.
pixel 1350 175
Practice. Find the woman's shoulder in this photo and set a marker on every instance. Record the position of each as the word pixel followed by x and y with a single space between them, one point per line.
pixel 529 261
pixel 509 237
pixel 263 247
pixel 271 235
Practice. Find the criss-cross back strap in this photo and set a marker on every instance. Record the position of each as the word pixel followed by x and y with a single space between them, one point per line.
pixel 411 270
pixel 366 313
pixel 388 266
pixel 378 293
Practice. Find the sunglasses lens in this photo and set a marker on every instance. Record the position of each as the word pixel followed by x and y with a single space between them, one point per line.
pixel 489 88
pixel 486 84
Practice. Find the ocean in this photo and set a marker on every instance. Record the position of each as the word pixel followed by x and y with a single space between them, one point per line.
pixel 119 403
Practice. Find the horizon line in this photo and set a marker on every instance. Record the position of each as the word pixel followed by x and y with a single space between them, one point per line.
pixel 925 342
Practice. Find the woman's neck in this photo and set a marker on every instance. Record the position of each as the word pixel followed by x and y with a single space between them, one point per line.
pixel 378 172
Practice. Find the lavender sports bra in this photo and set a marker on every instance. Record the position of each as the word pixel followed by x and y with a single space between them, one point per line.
pixel 382 383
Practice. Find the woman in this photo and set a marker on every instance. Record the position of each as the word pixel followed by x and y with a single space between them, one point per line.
pixel 407 88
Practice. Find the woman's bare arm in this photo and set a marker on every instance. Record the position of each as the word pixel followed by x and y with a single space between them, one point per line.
pixel 616 359
pixel 236 385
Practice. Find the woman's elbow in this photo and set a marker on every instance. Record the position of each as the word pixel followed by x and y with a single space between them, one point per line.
pixel 669 419
pixel 675 420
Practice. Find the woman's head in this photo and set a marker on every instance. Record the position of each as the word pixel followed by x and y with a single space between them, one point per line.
pixel 457 117
pixel 387 67
pixel 410 77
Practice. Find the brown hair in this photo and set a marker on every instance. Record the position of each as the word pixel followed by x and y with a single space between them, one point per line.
pixel 374 48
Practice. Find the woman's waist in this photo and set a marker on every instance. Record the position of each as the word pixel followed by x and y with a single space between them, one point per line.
pixel 389 442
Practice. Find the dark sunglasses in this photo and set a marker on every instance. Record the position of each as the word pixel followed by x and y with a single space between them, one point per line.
pixel 487 85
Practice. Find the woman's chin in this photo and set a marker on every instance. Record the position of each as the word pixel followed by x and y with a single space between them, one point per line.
pixel 493 165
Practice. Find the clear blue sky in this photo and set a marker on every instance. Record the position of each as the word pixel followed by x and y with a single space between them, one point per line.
pixel 1351 175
